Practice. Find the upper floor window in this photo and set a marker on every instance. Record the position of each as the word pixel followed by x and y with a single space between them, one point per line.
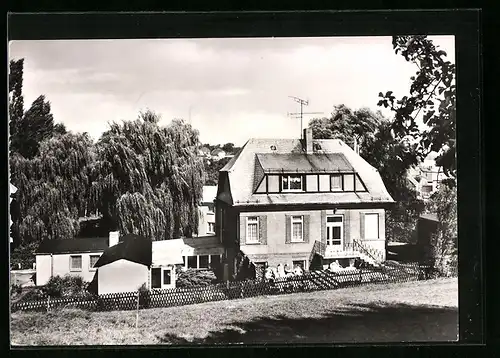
pixel 292 182
pixel 336 182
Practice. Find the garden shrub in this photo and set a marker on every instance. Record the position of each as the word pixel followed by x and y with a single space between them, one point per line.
pixel 195 278
pixel 144 296
pixel 66 286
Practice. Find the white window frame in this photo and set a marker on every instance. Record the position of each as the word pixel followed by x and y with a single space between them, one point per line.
pixel 294 219
pixel 292 190
pixel 378 226
pixel 92 268
pixel 339 224
pixel 163 285
pixel 208 227
pixel 71 269
pixel 340 187
pixel 252 220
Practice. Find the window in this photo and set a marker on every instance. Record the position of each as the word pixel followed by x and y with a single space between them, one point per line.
pixel 156 277
pixel 203 264
pixel 93 260
pixel 167 276
pixel 75 263
pixel 359 184
pixel 291 182
pixel 252 229
pixel 211 228
pixel 336 182
pixel 426 189
pixel 214 260
pixel 297 229
pixel 348 182
pixel 371 226
pixel 334 228
pixel 299 263
pixel 192 262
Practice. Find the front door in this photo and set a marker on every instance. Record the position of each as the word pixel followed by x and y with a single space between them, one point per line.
pixel 335 231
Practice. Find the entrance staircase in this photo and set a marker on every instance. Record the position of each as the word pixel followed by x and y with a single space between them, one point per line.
pixel 356 250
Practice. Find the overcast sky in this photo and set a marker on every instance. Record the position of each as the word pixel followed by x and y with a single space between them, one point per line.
pixel 234 89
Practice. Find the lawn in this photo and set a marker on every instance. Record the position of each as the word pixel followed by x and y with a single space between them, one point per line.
pixel 413 311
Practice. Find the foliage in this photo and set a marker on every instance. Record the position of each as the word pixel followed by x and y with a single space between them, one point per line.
pixel 212 168
pixel 16 100
pixel 66 286
pixel 444 243
pixel 228 147
pixel 53 188
pixel 432 93
pixel 347 125
pixel 194 278
pixel 24 255
pixel 390 156
pixel 145 173
pixel 245 269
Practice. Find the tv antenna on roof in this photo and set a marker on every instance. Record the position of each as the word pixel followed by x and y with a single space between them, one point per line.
pixel 300 114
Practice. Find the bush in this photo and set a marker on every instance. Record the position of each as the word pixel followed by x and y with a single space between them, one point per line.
pixel 66 286
pixel 144 296
pixel 195 278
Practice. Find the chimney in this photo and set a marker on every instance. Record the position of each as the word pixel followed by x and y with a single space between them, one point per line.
pixel 308 140
pixel 113 238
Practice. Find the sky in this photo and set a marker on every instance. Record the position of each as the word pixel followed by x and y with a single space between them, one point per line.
pixel 229 89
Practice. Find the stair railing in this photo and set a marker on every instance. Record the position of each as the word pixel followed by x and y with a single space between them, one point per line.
pixel 375 255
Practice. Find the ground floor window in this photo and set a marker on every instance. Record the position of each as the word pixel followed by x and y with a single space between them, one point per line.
pixel 201 262
pixel 75 263
pixel 299 263
pixel 161 277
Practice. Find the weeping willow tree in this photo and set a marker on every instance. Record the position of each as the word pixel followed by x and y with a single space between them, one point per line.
pixel 148 179
pixel 53 188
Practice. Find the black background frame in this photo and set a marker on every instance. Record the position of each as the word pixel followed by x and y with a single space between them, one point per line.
pixel 463 24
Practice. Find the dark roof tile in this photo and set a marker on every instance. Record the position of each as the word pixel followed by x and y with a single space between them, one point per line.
pixel 65 246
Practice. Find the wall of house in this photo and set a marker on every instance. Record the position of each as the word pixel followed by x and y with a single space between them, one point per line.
pixel 122 276
pixel 206 216
pixel 59 265
pixel 275 249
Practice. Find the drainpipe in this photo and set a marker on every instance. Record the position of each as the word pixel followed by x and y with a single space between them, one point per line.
pixel 51 265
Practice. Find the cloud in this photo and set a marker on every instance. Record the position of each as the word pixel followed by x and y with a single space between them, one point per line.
pixel 234 87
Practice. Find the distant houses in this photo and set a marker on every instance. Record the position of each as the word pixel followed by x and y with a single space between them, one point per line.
pixel 426 178
pixel 206 223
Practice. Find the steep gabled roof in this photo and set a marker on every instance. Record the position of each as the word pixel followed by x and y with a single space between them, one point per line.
pixel 271 154
pixel 131 247
pixel 70 246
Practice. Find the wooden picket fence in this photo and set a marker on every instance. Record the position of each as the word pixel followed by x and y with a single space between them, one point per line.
pixel 309 281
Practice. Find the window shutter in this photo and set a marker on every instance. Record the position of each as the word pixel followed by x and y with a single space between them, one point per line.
pixel 306 228
pixel 243 230
pixel 263 229
pixel 347 226
pixel 288 228
pixel 362 223
pixel 323 227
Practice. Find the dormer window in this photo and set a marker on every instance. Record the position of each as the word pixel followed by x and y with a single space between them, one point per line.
pixel 292 183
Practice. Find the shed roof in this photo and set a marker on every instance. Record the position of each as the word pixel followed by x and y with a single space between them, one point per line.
pixel 67 246
pixel 431 217
pixel 133 248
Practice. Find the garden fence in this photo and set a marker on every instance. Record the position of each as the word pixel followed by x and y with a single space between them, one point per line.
pixel 309 281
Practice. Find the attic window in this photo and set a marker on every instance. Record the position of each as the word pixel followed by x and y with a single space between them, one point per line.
pixel 273 147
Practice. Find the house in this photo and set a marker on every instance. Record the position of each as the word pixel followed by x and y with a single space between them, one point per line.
pixel 68 256
pixel 204 152
pixel 218 154
pixel 206 222
pixel 135 261
pixel 125 266
pixel 426 178
pixel 301 202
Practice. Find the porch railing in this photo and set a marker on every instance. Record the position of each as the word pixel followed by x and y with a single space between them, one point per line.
pixel 372 253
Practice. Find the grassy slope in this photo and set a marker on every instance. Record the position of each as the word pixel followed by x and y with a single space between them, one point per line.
pixel 414 311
